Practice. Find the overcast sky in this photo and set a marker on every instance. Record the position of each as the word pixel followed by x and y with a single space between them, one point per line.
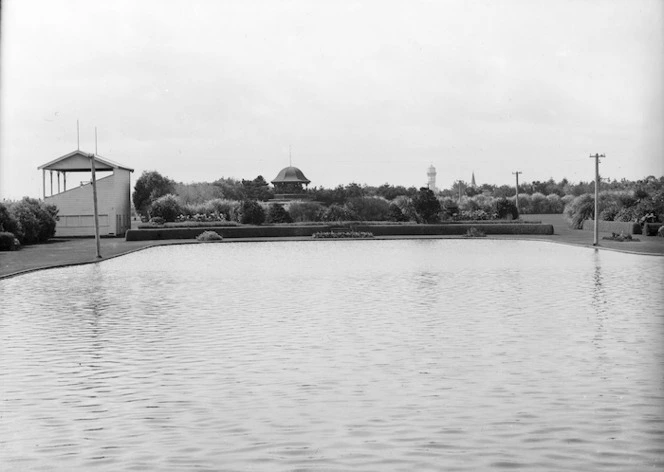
pixel 366 92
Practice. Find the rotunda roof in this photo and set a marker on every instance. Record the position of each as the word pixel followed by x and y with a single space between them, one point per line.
pixel 290 174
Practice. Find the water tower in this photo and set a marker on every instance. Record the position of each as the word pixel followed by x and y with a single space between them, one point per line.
pixel 431 174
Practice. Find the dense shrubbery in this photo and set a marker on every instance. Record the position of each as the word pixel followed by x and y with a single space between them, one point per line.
pixel 149 187
pixel 166 207
pixel 506 209
pixel 622 206
pixel 368 208
pixel 8 242
pixel 29 220
pixel 306 211
pixel 209 236
pixel 277 214
pixel 251 213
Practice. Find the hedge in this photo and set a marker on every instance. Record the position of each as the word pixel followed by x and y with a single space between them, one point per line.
pixel 651 229
pixel 613 227
pixel 309 230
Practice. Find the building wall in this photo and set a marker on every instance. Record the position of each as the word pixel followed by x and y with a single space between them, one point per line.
pixel 76 207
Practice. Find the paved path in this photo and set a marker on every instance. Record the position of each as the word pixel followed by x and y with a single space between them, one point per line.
pixel 63 252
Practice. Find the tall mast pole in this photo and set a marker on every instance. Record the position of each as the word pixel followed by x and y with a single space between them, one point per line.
pixel 94 197
pixel 516 198
pixel 596 218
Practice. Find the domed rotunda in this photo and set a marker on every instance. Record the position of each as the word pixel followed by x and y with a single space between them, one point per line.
pixel 289 181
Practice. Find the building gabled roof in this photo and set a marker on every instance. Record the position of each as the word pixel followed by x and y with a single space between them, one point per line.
pixel 79 161
pixel 290 174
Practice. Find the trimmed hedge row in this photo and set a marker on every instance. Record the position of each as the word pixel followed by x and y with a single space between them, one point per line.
pixel 651 229
pixel 613 227
pixel 309 230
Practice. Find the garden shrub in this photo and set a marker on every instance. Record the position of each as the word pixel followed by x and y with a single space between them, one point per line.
pixel 449 208
pixel 407 207
pixel 427 205
pixel 277 214
pixel 8 241
pixel 395 214
pixel 157 220
pixel 580 209
pixel 35 220
pixel 474 233
pixel 251 213
pixel 229 208
pixel 306 211
pixel 506 209
pixel 368 208
pixel 209 236
pixel 167 207
pixel 555 203
pixel 336 213
pixel 7 221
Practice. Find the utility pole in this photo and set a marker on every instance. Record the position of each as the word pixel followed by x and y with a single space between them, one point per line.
pixel 516 199
pixel 94 197
pixel 596 224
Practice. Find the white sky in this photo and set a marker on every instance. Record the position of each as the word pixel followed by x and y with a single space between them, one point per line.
pixel 366 92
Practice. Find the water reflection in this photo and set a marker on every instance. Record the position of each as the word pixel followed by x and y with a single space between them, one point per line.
pixel 372 355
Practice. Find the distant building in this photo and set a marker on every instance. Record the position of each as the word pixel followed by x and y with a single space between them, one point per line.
pixel 472 181
pixel 76 214
pixel 431 174
pixel 288 184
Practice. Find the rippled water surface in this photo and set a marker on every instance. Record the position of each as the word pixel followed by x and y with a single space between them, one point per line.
pixel 336 356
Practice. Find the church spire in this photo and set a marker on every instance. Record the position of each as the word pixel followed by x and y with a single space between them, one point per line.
pixel 472 181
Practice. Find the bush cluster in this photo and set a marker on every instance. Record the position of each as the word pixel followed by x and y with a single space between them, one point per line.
pixel 29 220
pixel 623 206
pixel 209 236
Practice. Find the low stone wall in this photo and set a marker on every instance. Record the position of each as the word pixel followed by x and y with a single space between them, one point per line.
pixel 308 230
pixel 613 227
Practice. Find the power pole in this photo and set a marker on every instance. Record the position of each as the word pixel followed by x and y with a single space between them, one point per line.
pixel 596 224
pixel 94 197
pixel 517 190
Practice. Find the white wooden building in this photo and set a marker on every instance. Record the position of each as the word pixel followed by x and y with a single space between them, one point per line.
pixel 75 203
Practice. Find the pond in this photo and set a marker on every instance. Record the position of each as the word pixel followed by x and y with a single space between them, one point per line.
pixel 336 356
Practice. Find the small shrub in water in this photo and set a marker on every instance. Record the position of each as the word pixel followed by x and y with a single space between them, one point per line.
pixel 474 233
pixel 209 236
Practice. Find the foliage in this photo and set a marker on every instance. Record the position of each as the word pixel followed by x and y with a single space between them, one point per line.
pixel 8 242
pixel 395 213
pixel 343 235
pixel 157 220
pixel 427 205
pixel 506 209
pixel 336 213
pixel 35 220
pixel 166 207
pixel 7 221
pixel 407 207
pixel 474 233
pixel 197 193
pixel 251 213
pixel 368 208
pixel 580 209
pixel 231 189
pixel 277 214
pixel 449 208
pixel 149 187
pixel 257 189
pixel 209 236
pixel 306 211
